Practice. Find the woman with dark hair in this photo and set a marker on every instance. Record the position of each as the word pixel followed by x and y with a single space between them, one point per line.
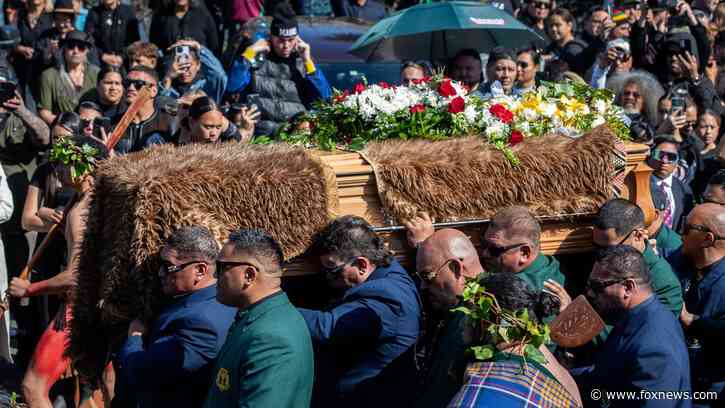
pixel 201 121
pixel 183 19
pixel 109 91
pixel 528 62
pixel 509 379
pixel 560 27
pixel 501 72
pixel 414 70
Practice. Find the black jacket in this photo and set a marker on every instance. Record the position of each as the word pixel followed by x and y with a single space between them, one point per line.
pixel 197 23
pixel 112 30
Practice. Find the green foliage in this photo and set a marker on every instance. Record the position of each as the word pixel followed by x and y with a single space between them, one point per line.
pixel 502 326
pixel 80 159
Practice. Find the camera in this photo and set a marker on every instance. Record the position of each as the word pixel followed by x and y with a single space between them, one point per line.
pixel 101 122
pixel 7 91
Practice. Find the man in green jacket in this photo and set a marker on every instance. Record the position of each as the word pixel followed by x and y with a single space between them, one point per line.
pixel 267 359
pixel 620 222
pixel 512 244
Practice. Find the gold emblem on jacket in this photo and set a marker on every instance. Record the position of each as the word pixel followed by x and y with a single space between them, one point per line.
pixel 222 379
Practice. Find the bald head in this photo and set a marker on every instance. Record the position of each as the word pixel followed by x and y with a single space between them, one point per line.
pixel 517 223
pixel 449 244
pixel 445 261
pixel 711 216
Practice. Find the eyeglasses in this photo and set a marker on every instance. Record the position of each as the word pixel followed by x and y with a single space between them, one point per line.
pixel 633 94
pixel 336 270
pixel 429 276
pixel 169 268
pixel 541 5
pixel 701 228
pixel 665 157
pixel 136 83
pixel 495 251
pixel 80 46
pixel 621 241
pixel 598 286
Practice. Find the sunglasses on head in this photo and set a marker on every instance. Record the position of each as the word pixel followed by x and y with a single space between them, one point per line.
pixel 665 157
pixel 136 83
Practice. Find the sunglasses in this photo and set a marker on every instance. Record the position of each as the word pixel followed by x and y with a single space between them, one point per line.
pixel 621 241
pixel 701 228
pixel 495 250
pixel 223 266
pixel 665 157
pixel 336 270
pixel 541 5
pixel 522 64
pixel 632 94
pixel 168 268
pixel 598 286
pixel 429 276
pixel 136 83
pixel 77 45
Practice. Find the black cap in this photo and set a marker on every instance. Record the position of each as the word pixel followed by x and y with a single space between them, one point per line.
pixel 9 37
pixel 284 21
pixel 77 36
pixel 64 6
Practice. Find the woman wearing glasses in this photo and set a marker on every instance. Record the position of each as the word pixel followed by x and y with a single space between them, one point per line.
pixel 528 62
pixel 534 14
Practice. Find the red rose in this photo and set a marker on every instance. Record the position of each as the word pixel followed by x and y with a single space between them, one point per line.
pixel 516 138
pixel 358 88
pixel 446 89
pixel 457 105
pixel 502 113
pixel 425 79
pixel 419 108
pixel 384 85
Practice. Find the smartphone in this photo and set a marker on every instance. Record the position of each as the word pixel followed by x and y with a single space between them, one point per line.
pixel 99 123
pixel 686 45
pixel 678 105
pixel 7 91
pixel 182 54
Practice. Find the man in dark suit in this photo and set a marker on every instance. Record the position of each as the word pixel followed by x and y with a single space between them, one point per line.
pixel 365 343
pixel 171 368
pixel 646 349
pixel 678 195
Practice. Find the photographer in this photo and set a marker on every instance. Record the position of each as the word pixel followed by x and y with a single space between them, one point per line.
pixel 286 82
pixel 616 59
pixel 22 136
pixel 193 67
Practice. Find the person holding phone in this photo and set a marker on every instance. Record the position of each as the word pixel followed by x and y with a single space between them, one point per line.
pixel 193 67
pixel 286 82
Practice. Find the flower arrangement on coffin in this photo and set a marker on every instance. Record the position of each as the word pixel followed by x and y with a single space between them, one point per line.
pixel 489 325
pixel 437 108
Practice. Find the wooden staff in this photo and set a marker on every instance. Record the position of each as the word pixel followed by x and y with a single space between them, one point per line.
pixel 143 95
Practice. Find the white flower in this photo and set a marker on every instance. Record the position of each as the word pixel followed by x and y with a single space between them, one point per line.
pixel 601 106
pixel 530 114
pixel 470 113
pixel 495 129
pixel 599 120
pixel 548 109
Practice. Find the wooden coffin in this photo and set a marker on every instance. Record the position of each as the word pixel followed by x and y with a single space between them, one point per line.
pixel 567 234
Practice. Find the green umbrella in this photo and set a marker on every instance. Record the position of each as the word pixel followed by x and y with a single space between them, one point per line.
pixel 437 31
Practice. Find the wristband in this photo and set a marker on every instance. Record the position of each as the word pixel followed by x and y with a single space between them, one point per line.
pixel 37 288
pixel 310 66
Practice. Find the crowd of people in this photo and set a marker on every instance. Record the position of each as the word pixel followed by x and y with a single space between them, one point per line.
pixel 229 336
